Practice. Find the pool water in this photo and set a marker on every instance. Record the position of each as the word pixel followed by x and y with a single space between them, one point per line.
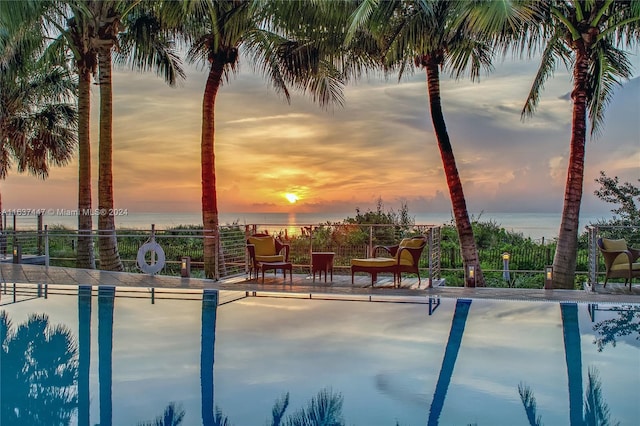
pixel 118 357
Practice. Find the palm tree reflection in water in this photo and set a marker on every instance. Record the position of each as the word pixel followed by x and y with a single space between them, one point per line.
pixel 106 300
pixel 172 416
pixel 595 411
pixel 84 353
pixel 38 371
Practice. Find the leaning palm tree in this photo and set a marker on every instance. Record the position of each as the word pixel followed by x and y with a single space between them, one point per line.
pixel 431 36
pixel 37 122
pixel 218 33
pixel 589 37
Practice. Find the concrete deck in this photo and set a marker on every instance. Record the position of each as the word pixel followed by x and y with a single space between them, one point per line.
pixel 302 284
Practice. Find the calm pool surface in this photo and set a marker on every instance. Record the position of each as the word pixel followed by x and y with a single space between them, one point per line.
pixel 119 359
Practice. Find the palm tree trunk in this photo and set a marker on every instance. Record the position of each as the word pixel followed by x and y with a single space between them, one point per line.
pixel 85 258
pixel 458 202
pixel 107 242
pixel 207 153
pixel 564 261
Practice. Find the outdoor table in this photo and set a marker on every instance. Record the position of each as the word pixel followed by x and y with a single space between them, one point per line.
pixel 322 261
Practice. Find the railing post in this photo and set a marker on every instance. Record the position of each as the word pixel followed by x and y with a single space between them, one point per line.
pixel 311 250
pixel 430 240
pixel 593 232
pixel 46 245
pixel 218 247
pixel 370 254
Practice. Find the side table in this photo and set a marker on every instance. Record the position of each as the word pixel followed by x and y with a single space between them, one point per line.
pixel 322 261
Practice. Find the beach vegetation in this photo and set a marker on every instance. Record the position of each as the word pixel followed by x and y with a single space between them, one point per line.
pixel 625 222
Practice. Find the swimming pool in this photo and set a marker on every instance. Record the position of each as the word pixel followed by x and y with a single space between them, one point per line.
pixel 133 355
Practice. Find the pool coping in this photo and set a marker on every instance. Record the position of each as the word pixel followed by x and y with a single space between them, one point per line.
pixel 54 275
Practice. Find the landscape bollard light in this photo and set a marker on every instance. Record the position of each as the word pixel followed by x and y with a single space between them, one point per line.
pixel 185 267
pixel 471 275
pixel 548 278
pixel 506 275
pixel 17 253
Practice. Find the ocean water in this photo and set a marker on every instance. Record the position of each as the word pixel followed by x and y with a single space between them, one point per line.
pixel 534 225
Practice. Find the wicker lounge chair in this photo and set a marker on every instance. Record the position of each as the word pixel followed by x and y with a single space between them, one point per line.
pixel 404 258
pixel 264 248
pixel 620 260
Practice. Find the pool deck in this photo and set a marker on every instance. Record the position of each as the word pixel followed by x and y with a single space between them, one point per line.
pixel 302 284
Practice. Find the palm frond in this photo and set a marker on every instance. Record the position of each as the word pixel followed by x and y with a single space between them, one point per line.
pixel 609 66
pixel 555 49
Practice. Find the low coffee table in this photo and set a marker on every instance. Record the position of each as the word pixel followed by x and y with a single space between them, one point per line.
pixel 322 261
pixel 285 266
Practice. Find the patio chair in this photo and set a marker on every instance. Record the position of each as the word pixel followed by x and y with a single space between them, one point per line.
pixel 404 258
pixel 263 248
pixel 620 260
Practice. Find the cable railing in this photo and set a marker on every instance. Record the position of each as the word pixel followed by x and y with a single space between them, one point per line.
pixel 59 247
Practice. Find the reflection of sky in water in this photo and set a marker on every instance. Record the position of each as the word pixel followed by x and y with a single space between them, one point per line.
pixel 384 358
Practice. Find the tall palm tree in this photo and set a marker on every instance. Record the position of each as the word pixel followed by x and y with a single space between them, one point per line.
pixel 37 122
pixel 134 29
pixel 90 30
pixel 429 35
pixel 589 37
pixel 218 34
pixel 73 32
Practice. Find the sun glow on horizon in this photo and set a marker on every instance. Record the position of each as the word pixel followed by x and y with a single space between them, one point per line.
pixel 292 198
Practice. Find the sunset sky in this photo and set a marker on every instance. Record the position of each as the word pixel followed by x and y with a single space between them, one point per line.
pixel 380 144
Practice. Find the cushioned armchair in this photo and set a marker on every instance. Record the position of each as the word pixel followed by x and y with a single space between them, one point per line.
pixel 620 260
pixel 265 248
pixel 404 257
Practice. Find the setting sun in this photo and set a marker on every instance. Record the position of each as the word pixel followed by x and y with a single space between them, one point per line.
pixel 292 198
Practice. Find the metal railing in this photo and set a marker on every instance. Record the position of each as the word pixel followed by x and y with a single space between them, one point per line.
pixel 60 247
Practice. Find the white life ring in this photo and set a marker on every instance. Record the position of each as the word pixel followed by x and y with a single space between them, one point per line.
pixel 152 268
